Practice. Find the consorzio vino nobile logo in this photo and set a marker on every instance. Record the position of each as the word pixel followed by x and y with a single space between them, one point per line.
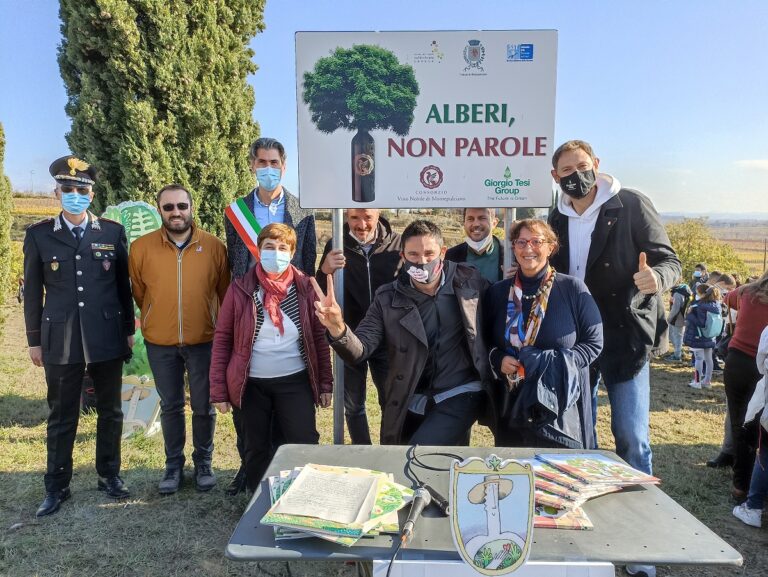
pixel 431 176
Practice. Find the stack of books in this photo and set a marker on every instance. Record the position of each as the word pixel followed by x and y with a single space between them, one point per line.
pixel 565 481
pixel 338 504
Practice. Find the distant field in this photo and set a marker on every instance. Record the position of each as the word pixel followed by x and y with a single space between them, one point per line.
pixel 43 206
pixel 749 240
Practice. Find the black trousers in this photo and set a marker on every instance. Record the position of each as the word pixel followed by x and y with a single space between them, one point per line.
pixel 740 377
pixel 355 389
pixel 290 401
pixel 64 389
pixel 169 363
pixel 448 423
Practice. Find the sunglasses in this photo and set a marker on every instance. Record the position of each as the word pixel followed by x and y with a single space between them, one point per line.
pixel 179 205
pixel 78 189
pixel 521 243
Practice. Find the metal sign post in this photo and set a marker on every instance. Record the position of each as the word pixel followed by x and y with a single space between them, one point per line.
pixel 337 231
pixel 510 215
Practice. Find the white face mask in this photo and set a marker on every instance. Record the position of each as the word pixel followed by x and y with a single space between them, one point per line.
pixel 479 246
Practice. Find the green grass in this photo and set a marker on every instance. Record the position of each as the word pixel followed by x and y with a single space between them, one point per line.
pixel 185 534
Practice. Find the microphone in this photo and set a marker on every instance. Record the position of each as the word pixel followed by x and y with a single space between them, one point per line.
pixel 438 500
pixel 421 499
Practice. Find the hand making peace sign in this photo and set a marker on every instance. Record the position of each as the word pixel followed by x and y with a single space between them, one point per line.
pixel 328 310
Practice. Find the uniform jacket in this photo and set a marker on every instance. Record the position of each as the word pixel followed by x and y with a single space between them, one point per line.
pixel 393 321
pixel 458 253
pixel 77 297
pixel 178 291
pixel 365 273
pixel 302 221
pixel 235 334
pixel 633 323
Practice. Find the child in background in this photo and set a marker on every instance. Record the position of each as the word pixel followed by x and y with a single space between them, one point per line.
pixel 680 297
pixel 700 335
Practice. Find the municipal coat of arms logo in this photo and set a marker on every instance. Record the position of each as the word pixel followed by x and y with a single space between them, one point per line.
pixel 492 505
pixel 474 54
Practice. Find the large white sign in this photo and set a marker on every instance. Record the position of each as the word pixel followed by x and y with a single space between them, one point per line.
pixel 426 119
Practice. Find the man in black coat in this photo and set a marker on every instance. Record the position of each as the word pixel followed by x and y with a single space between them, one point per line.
pixel 613 239
pixel 370 259
pixel 79 314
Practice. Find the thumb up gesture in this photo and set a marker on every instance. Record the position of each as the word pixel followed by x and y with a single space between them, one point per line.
pixel 646 280
pixel 327 309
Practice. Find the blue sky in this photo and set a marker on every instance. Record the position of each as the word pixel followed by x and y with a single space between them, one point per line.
pixel 672 95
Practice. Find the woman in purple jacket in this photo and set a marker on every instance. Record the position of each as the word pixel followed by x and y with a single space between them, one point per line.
pixel 270 355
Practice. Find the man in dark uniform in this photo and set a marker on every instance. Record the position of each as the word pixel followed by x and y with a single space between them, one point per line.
pixel 85 320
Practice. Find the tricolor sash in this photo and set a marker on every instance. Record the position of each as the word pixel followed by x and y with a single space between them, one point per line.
pixel 245 224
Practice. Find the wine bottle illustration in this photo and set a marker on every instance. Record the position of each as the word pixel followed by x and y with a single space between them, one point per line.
pixel 362 89
pixel 363 167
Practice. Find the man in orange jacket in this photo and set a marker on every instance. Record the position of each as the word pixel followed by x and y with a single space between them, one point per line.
pixel 179 275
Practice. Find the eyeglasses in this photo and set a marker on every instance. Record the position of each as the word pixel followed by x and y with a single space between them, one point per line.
pixel 179 205
pixel 80 190
pixel 521 243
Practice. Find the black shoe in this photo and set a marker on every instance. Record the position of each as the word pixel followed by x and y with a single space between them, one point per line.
pixel 722 460
pixel 171 481
pixel 114 487
pixel 237 484
pixel 52 502
pixel 204 477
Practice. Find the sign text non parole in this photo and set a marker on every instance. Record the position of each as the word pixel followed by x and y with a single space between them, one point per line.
pixel 426 119
pixel 467 146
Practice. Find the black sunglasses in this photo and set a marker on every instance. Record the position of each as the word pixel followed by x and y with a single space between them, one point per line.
pixel 179 205
pixel 78 189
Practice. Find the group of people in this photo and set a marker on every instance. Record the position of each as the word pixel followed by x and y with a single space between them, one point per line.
pixel 449 336
pixel 717 316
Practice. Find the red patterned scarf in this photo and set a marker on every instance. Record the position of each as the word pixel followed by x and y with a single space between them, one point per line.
pixel 275 290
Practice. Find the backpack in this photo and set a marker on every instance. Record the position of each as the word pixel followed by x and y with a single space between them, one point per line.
pixel 685 291
pixel 713 326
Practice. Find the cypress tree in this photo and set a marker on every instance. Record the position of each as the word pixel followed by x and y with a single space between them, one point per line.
pixel 157 93
pixel 6 205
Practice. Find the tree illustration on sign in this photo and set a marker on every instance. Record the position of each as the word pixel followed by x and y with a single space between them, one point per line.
pixel 362 88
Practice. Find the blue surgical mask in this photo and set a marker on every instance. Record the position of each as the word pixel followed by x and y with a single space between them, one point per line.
pixel 74 202
pixel 697 274
pixel 275 261
pixel 268 178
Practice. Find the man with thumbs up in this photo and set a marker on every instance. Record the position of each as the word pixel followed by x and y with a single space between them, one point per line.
pixel 613 239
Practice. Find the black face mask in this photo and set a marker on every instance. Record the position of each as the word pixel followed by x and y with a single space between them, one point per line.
pixel 578 183
pixel 423 273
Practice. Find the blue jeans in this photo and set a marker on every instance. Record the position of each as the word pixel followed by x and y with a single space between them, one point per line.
pixel 630 414
pixel 676 336
pixel 758 486
pixel 168 364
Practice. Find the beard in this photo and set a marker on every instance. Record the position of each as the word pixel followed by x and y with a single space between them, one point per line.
pixel 177 224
